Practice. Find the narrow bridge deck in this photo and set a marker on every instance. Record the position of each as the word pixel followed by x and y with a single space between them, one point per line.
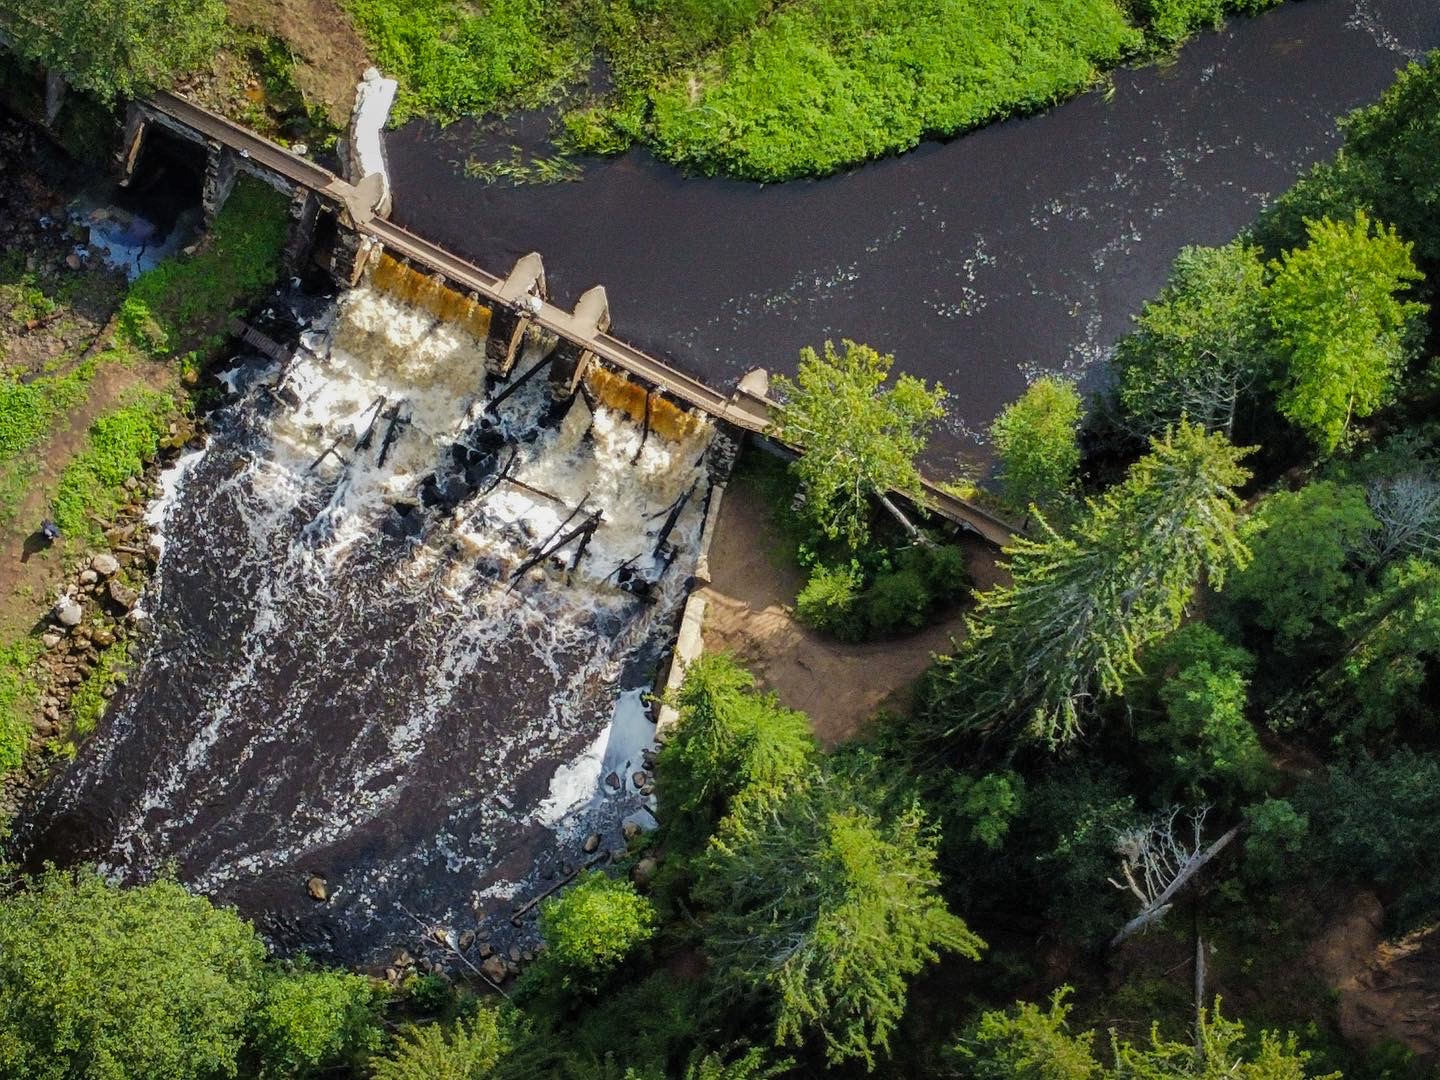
pixel 743 410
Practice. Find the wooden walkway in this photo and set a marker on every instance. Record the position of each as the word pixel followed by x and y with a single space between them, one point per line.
pixel 746 411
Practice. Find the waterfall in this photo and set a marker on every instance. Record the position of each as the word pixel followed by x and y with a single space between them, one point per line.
pixel 358 667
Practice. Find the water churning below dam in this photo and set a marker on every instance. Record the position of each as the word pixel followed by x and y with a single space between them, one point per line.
pixel 357 668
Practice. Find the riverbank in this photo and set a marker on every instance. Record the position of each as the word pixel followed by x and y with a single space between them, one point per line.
pixel 749 613
pixel 97 392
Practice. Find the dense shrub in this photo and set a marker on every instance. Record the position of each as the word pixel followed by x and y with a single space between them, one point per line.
pixel 826 83
pixel 593 926
pixel 900 597
pixel 1037 441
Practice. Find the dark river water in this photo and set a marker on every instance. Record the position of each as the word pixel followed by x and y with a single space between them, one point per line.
pixel 1019 249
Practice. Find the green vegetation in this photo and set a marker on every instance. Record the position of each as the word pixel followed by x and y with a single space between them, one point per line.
pixel 17 700
pixel 1339 323
pixel 903 592
pixel 1032 1042
pixel 593 926
pixel 104 982
pixel 765 89
pixel 860 437
pixel 1036 440
pixel 118 447
pixel 123 48
pixel 1084 601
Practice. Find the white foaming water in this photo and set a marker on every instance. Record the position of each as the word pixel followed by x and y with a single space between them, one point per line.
pixel 343 681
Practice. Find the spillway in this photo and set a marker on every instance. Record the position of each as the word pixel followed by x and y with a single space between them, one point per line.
pixel 397 638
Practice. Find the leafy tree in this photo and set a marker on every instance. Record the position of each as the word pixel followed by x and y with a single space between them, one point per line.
pixel 113 983
pixel 1374 819
pixel 1036 439
pixel 1304 545
pixel 1390 672
pixel 310 1020
pixel 1198 347
pixel 986 805
pixel 469 1051
pixel 730 740
pixel 860 439
pixel 1340 324
pixel 591 927
pixel 1082 603
pixel 1399 139
pixel 1200 735
pixel 825 909
pixel 1275 834
pixel 1031 1043
pixel 116 48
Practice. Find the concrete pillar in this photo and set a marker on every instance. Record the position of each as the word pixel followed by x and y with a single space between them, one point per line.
pixel 136 121
pixel 304 209
pixel 507 330
pixel 55 87
pixel 364 154
pixel 222 166
pixel 592 316
pixel 350 255
pixel 522 294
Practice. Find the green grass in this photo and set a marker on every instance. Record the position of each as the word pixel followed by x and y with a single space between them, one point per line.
pixel 184 303
pixel 119 445
pixel 18 696
pixel 88 702
pixel 765 89
pixel 826 83
pixel 454 58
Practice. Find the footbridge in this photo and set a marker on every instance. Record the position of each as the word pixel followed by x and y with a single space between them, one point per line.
pixel 508 307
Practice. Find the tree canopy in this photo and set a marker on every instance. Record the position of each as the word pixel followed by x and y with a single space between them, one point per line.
pixel 1082 602
pixel 1198 347
pixel 1037 440
pixel 116 48
pixel 860 438
pixel 827 909
pixel 1340 323
pixel 122 983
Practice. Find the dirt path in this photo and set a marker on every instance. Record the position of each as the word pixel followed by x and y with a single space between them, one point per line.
pixel 839 687
pixel 27 570
pixel 1385 990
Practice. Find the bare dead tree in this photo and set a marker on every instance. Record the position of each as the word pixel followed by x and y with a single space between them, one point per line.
pixel 1156 863
pixel 1408 510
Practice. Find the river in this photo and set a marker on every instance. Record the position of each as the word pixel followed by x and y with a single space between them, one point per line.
pixel 981 261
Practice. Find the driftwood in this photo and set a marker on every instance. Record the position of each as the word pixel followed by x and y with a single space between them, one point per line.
pixel 1156 865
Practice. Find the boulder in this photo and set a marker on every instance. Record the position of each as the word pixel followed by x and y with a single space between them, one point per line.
pixel 105 564
pixel 644 872
pixel 467 938
pixel 88 577
pixel 630 830
pixel 68 611
pixel 613 781
pixel 103 636
pixel 515 953
pixel 494 969
pixel 51 640
pixel 638 778
pixel 123 595
pixel 592 843
pixel 317 888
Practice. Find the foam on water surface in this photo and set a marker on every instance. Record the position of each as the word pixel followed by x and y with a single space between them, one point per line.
pixel 342 680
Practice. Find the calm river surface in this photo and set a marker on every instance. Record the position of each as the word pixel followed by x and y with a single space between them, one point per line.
pixel 1018 249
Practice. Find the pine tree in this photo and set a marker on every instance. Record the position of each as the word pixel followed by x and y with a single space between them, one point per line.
pixel 1082 603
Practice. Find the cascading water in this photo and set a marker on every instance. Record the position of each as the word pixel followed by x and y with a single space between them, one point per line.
pixel 346 676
